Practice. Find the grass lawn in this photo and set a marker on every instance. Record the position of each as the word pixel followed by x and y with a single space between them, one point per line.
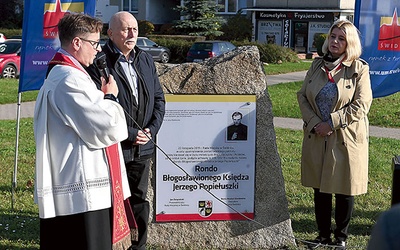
pixel 19 229
pixel 276 69
pixel 384 112
pixel 9 92
pixel 367 207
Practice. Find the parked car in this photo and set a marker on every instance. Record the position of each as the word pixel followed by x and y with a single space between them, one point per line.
pixel 10 58
pixel 103 41
pixel 201 51
pixel 159 53
pixel 2 37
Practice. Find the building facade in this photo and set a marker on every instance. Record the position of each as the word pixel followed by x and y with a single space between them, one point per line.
pixel 289 23
pixel 294 23
pixel 158 11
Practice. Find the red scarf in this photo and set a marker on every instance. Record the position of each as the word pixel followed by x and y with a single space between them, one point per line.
pixel 329 72
pixel 333 70
pixel 124 224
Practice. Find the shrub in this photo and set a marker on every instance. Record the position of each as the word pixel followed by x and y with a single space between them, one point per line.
pixel 237 28
pixel 168 29
pixel 272 53
pixel 145 28
pixel 319 41
pixel 178 47
pixel 11 32
pixel 103 33
pixel 179 37
pixel 269 53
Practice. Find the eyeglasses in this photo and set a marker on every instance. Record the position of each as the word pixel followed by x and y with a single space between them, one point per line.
pixel 94 44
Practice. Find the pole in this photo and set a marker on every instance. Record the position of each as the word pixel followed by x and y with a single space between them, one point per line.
pixel 14 180
pixel 357 7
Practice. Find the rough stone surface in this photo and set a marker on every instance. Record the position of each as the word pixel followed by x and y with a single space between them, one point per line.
pixel 238 72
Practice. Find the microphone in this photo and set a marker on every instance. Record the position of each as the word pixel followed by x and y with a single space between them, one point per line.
pixel 102 65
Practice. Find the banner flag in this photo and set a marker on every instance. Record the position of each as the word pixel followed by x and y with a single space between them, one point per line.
pixel 40 36
pixel 379 25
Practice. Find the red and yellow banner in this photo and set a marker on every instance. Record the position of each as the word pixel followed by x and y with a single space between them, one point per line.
pixel 380 34
pixel 40 36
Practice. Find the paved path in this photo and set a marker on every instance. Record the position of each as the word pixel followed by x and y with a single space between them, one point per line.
pixel 289 77
pixel 9 111
pixel 296 124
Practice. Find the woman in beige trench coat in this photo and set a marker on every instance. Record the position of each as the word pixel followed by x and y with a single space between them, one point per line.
pixel 334 101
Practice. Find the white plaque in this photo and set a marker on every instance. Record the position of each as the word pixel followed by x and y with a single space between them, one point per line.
pixel 209 170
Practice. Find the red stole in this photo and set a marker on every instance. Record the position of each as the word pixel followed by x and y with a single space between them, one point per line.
pixel 124 224
pixel 123 221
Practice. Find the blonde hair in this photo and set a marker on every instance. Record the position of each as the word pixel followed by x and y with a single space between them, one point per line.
pixel 353 48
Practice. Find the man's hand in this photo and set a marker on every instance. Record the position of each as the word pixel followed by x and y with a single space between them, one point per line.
pixel 234 136
pixel 109 87
pixel 141 137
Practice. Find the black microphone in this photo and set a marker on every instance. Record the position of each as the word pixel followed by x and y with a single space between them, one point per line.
pixel 102 65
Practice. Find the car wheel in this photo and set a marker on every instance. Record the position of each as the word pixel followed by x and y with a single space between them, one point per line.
pixel 9 71
pixel 164 57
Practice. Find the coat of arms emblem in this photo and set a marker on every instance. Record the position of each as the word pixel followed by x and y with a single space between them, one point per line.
pixel 205 208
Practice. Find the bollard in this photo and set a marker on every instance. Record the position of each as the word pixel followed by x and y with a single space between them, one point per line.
pixel 396 180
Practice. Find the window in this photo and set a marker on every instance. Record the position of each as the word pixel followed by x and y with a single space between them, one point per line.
pixel 221 4
pixel 140 42
pixel 231 6
pixel 130 5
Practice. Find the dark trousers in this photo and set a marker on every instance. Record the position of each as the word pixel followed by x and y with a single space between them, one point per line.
pixel 344 205
pixel 138 178
pixel 83 231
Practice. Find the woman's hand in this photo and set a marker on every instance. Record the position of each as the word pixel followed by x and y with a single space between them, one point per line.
pixel 323 129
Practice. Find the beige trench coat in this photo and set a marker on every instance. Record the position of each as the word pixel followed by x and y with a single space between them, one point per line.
pixel 337 163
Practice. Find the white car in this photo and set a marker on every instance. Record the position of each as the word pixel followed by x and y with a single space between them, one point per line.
pixel 2 37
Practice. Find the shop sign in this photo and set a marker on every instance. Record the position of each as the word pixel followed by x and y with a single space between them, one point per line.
pixel 295 16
